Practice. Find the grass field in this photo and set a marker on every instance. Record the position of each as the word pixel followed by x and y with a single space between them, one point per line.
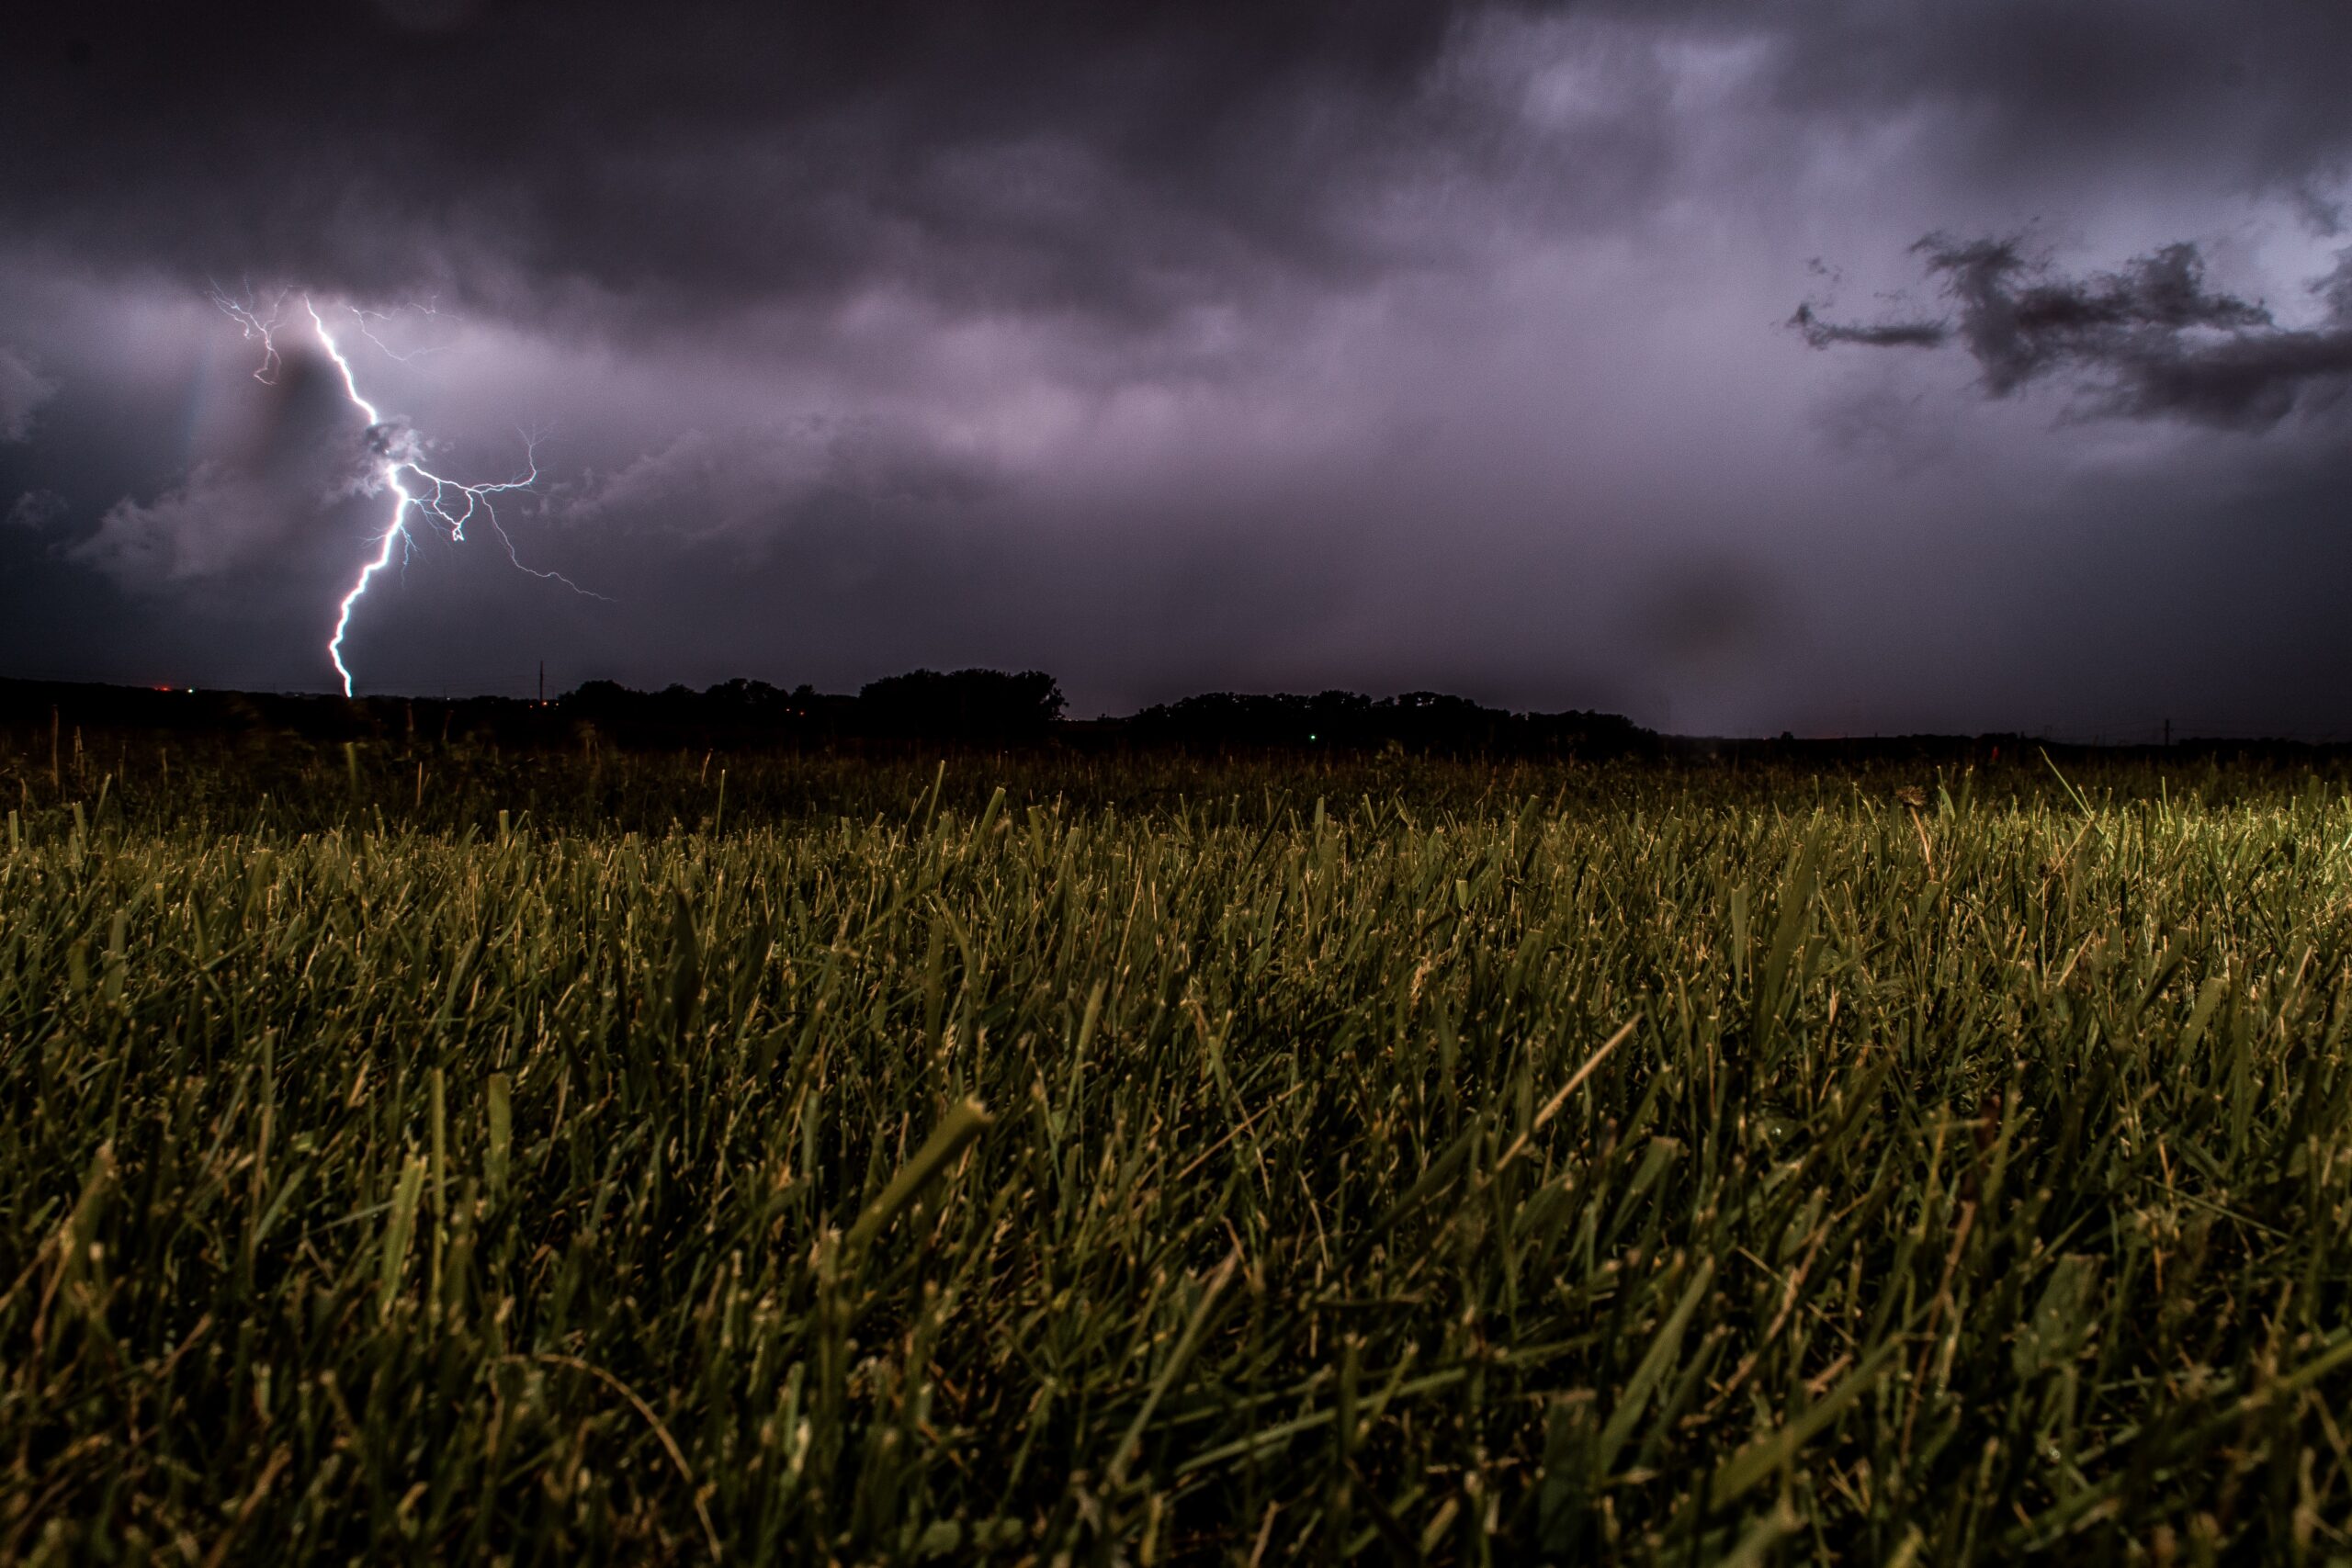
pixel 1067 1159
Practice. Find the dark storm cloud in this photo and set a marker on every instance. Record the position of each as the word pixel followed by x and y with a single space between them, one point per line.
pixel 1237 343
pixel 2151 338
pixel 23 390
pixel 1823 334
pixel 1104 158
pixel 607 158
pixel 2253 88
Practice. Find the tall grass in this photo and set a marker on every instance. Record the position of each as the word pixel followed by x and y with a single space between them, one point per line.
pixel 1176 1166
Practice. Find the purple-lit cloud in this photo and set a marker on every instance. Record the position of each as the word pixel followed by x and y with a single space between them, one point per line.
pixel 1179 345
pixel 23 390
pixel 2151 337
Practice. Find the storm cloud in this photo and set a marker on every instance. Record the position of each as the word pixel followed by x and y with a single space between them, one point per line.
pixel 2151 337
pixel 23 390
pixel 1117 161
pixel 1168 345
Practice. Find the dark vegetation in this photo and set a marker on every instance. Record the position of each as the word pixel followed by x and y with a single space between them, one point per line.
pixel 931 711
pixel 984 707
pixel 436 1144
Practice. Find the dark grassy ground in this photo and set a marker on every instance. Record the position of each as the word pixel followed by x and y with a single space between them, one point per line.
pixel 1379 1158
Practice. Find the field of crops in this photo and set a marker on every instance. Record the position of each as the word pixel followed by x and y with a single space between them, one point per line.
pixel 545 1157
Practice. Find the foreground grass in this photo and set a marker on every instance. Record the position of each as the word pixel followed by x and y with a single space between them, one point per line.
pixel 1628 1164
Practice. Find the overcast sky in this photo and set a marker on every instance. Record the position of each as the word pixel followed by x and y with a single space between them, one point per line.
pixel 1838 366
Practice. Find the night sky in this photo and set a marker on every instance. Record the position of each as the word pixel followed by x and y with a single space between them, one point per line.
pixel 1838 367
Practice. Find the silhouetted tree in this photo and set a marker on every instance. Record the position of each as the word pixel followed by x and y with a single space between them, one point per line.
pixel 968 704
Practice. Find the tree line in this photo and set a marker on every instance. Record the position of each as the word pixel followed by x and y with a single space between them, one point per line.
pixel 982 707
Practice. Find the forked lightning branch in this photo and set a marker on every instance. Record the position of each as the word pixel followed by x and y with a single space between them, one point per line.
pixel 396 465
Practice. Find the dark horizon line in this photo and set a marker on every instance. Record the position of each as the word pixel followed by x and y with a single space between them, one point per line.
pixel 2184 739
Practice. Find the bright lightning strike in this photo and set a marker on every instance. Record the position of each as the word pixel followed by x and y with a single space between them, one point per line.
pixel 397 465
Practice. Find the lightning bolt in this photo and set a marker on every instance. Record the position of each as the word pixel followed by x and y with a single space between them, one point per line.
pixel 398 465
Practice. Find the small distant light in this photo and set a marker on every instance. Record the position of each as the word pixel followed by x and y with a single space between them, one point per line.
pixel 1311 735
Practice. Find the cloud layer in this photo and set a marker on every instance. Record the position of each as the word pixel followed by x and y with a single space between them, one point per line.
pixel 1178 344
pixel 2150 338
pixel 23 390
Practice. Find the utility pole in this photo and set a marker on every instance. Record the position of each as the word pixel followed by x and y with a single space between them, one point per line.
pixel 2168 732
pixel 543 683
